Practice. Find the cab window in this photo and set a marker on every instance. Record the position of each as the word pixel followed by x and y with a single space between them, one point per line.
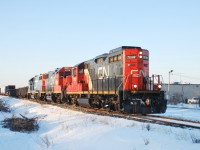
pixel 86 66
pixel 67 73
pixel 145 57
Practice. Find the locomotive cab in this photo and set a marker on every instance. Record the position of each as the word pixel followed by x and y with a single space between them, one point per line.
pixel 78 82
pixel 133 69
pixel 141 93
pixel 67 77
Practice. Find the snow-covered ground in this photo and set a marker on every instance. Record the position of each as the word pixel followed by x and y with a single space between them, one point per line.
pixel 183 111
pixel 63 129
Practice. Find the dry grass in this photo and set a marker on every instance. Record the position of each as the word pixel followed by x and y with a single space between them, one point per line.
pixel 146 141
pixel 21 124
pixel 146 126
pixel 195 139
pixel 4 107
pixel 46 142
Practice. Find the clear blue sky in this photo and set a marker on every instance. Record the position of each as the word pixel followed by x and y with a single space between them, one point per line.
pixel 40 35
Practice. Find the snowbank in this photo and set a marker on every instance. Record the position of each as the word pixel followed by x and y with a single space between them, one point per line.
pixel 63 129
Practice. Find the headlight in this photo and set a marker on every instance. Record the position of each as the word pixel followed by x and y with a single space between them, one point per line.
pixel 159 86
pixel 140 53
pixel 140 56
pixel 135 86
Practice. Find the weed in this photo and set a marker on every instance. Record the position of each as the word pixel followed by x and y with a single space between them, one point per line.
pixel 19 124
pixel 4 107
pixel 181 136
pixel 146 141
pixel 195 139
pixel 45 140
pixel 148 127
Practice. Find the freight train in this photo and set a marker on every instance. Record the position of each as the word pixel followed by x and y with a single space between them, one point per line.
pixel 117 81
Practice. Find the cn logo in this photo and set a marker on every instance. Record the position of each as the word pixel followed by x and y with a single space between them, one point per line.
pixel 138 73
pixel 103 72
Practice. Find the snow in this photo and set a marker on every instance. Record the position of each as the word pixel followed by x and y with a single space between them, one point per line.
pixel 63 129
pixel 183 111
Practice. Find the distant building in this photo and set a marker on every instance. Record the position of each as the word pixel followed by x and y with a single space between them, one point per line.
pixel 184 91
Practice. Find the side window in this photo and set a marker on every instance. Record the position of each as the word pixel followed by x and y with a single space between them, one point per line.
pixel 61 75
pixel 99 60
pixel 111 59
pixel 74 72
pixel 86 66
pixel 119 57
pixel 115 58
pixel 145 57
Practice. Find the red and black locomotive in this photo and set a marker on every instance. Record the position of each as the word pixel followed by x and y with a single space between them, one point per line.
pixel 118 80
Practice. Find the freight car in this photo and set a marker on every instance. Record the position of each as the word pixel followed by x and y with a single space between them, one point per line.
pixel 118 80
pixel 22 92
pixel 10 90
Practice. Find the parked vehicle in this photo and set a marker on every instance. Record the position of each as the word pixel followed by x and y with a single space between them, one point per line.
pixel 194 100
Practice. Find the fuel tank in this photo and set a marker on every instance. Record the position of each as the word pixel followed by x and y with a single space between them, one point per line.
pixel 84 102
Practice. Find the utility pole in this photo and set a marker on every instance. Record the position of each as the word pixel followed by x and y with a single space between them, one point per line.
pixel 169 79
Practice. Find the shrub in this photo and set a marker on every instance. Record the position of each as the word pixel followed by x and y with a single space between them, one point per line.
pixel 146 141
pixel 148 127
pixel 19 124
pixel 46 141
pixel 195 139
pixel 4 107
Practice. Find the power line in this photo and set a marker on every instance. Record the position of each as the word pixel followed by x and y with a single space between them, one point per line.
pixel 190 77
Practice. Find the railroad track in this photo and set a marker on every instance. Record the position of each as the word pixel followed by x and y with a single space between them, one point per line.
pixel 176 122
pixel 154 119
pixel 197 107
pixel 177 119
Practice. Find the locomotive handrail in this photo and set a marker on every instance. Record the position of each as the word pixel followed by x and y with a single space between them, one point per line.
pixel 126 80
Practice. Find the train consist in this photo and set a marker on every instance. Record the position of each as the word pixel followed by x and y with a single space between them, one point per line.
pixel 118 80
